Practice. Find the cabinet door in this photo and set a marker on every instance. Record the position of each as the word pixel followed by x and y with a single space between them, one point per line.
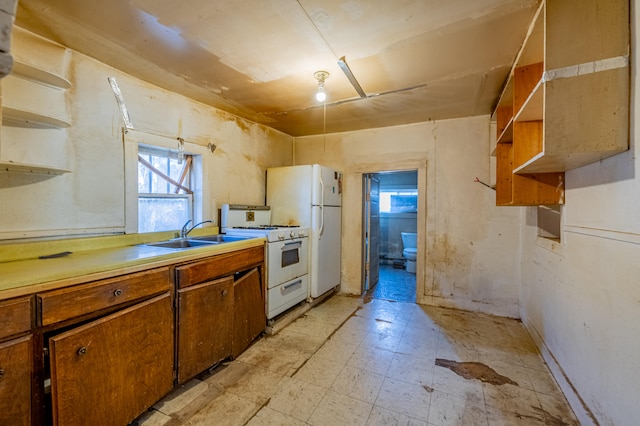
pixel 205 323
pixel 249 318
pixel 15 381
pixel 107 372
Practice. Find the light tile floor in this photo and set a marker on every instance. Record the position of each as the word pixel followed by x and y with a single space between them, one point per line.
pixel 347 362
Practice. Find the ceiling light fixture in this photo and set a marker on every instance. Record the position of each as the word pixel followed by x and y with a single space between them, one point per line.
pixel 321 76
pixel 342 63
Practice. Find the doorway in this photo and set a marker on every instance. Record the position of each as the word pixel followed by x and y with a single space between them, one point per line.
pixel 390 207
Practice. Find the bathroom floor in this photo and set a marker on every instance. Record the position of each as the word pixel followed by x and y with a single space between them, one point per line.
pixel 394 284
pixel 349 362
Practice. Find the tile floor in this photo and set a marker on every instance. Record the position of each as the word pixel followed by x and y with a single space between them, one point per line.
pixel 395 284
pixel 346 362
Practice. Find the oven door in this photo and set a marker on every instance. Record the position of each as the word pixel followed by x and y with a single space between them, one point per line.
pixel 287 260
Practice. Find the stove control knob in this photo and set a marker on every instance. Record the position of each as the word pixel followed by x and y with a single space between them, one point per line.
pixel 281 236
pixel 300 233
pixel 292 234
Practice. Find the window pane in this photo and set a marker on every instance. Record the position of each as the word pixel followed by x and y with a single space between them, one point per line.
pixel 404 203
pixel 399 201
pixel 385 202
pixel 150 183
pixel 162 214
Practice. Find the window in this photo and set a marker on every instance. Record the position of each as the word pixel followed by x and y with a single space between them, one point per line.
pixel 405 201
pixel 165 200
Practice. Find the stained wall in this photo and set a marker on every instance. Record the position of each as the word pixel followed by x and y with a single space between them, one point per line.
pixel 91 198
pixel 581 298
pixel 467 247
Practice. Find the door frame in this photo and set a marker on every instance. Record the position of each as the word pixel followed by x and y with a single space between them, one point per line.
pixel 366 231
pixel 423 274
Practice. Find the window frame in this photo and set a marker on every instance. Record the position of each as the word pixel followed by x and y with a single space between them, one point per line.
pixel 202 205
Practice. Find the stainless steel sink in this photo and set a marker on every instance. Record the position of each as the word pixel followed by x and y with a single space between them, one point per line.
pixel 219 238
pixel 193 242
pixel 181 244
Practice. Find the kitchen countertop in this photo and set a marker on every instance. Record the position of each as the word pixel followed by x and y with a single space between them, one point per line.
pixel 27 276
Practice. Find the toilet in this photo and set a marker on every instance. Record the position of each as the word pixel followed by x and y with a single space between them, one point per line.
pixel 409 243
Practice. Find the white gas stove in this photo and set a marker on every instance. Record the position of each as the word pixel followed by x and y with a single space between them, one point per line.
pixel 286 255
pixel 244 220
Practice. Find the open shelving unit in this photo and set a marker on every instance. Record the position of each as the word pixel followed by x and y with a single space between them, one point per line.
pixel 566 101
pixel 34 109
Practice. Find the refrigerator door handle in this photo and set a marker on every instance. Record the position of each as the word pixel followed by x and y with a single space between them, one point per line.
pixel 321 206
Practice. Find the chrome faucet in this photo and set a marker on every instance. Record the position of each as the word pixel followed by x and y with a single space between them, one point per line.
pixel 185 231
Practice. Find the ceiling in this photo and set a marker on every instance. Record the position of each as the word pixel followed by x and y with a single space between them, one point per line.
pixel 416 60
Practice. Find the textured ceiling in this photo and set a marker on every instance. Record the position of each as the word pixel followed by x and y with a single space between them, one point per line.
pixel 415 59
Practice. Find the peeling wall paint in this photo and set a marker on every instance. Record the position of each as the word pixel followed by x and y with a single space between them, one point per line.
pixel 467 247
pixel 90 199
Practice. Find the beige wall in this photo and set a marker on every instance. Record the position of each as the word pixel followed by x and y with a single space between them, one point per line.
pixel 91 199
pixel 581 298
pixel 463 239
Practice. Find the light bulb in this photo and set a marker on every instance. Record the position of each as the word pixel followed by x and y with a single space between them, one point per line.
pixel 320 94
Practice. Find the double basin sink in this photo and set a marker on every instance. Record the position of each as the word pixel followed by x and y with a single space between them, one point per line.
pixel 193 242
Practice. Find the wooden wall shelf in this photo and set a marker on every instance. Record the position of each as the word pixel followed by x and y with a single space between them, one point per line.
pixel 566 101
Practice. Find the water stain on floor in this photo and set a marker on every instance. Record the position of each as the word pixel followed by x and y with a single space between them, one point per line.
pixel 475 370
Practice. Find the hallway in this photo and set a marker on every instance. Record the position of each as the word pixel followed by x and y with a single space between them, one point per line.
pixel 380 363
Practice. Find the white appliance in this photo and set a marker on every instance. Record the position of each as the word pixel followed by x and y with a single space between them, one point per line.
pixel 311 196
pixel 287 253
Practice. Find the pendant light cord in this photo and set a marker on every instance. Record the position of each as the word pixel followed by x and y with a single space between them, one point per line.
pixel 324 126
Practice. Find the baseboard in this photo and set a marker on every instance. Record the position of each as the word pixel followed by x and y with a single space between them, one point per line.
pixel 580 409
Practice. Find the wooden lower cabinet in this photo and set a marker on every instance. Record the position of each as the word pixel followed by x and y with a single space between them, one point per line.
pixel 109 371
pixel 205 326
pixel 15 381
pixel 220 308
pixel 249 316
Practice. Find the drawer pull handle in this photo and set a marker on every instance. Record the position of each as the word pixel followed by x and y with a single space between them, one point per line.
pixel 291 246
pixel 82 351
pixel 1 373
pixel 293 284
pixel 118 292
pixel 224 292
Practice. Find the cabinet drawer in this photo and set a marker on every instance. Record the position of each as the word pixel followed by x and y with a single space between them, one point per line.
pixel 286 295
pixel 63 304
pixel 15 316
pixel 220 265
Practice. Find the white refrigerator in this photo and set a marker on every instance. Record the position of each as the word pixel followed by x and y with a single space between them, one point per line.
pixel 311 196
